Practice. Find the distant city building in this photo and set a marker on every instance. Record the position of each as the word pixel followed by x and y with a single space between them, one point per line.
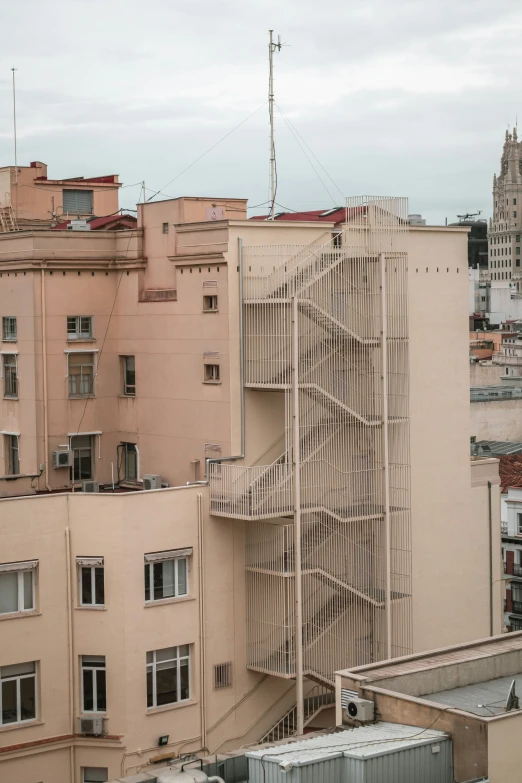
pixel 416 220
pixel 477 242
pixel 505 227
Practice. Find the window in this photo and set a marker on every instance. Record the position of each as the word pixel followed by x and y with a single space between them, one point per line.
pixel 81 446
pixel 80 369
pixel 210 303
pixel 95 774
pixel 8 327
pixel 212 373
pixel 79 327
pixel 12 459
pixel 166 574
pixel 129 375
pixel 10 362
pixel 519 524
pixel 17 587
pixel 165 228
pixel 222 675
pixel 93 683
pixel 337 240
pixel 168 676
pixel 17 693
pixel 130 459
pixel 517 238
pixel 77 202
pixel 514 214
pixel 514 202
pixel 92 581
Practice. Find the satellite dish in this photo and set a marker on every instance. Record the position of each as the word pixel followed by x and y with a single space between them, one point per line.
pixel 512 699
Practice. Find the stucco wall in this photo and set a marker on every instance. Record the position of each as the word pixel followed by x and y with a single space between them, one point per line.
pixel 497 420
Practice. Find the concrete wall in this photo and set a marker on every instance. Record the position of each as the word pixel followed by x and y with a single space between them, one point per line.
pixel 484 374
pixel 497 420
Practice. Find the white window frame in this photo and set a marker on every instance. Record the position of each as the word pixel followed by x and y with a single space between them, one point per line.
pixel 90 563
pixel 212 373
pixel 81 395
pixel 28 566
pixel 18 678
pixel 173 555
pixel 6 354
pixel 11 445
pixel 153 667
pixel 129 389
pixel 78 334
pixel 9 336
pixel 519 523
pixel 94 670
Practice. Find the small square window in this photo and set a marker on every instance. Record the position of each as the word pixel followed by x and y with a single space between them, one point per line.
pixel 165 578
pixel 17 587
pixel 9 328
pixel 222 675
pixel 95 774
pixel 79 327
pixel 210 303
pixel 212 373
pixel 165 228
pixel 18 693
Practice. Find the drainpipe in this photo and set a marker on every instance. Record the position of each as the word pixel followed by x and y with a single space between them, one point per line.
pixel 209 462
pixel 44 364
pixel 201 591
pixel 70 640
pixel 490 561
pixel 297 524
pixel 387 525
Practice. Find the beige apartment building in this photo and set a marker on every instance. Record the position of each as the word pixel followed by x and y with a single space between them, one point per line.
pixel 29 199
pixel 293 384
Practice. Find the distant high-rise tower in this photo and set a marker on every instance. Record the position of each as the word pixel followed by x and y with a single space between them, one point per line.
pixel 505 226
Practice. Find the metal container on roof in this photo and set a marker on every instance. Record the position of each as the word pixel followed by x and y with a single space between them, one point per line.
pixel 377 753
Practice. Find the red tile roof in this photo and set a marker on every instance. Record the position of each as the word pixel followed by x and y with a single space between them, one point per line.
pixel 334 215
pixel 107 222
pixel 510 470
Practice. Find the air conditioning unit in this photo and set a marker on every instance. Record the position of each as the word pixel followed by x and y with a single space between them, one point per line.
pixel 151 481
pixel 62 459
pixel 90 486
pixel 359 709
pixel 93 726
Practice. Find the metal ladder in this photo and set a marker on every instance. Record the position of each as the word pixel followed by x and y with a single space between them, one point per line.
pixel 7 219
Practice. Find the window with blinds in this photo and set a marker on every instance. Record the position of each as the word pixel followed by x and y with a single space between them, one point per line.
pixel 77 202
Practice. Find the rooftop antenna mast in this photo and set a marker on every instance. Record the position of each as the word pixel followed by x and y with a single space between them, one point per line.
pixel 13 69
pixel 272 47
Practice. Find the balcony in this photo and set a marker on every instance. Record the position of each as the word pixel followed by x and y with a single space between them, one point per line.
pixel 513 569
pixel 517 607
pixel 503 525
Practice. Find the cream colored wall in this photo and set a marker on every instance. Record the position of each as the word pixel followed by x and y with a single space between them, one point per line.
pixel 444 518
pixel 503 742
pixel 496 420
pixel 485 374
pixel 118 528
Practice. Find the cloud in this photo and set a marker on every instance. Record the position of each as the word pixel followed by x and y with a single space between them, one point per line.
pixel 409 97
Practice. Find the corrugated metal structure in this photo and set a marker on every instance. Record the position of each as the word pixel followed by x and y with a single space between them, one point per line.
pixel 377 753
pixel 328 545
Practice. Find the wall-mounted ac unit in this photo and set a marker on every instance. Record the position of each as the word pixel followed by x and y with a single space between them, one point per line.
pixel 362 710
pixel 62 459
pixel 90 486
pixel 151 481
pixel 93 726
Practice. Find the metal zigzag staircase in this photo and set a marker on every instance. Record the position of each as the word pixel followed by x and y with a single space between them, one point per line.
pixel 326 327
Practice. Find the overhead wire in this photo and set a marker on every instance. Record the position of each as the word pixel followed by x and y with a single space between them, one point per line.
pixel 290 124
pixel 230 132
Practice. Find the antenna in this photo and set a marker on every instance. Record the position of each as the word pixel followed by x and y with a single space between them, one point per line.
pixel 470 215
pixel 512 699
pixel 272 47
pixel 13 69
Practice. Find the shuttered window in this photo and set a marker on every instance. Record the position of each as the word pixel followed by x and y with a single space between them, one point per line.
pixel 77 202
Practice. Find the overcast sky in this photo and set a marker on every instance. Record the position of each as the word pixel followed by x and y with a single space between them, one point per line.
pixel 394 97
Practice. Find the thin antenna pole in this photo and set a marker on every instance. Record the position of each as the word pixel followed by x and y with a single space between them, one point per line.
pixel 271 49
pixel 271 112
pixel 13 69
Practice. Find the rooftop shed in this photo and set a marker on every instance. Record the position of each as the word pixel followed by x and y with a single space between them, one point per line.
pixel 377 753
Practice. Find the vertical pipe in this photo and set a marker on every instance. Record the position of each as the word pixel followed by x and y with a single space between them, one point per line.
pixel 70 638
pixel 297 522
pixel 44 373
pixel 490 561
pixel 201 591
pixel 387 526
